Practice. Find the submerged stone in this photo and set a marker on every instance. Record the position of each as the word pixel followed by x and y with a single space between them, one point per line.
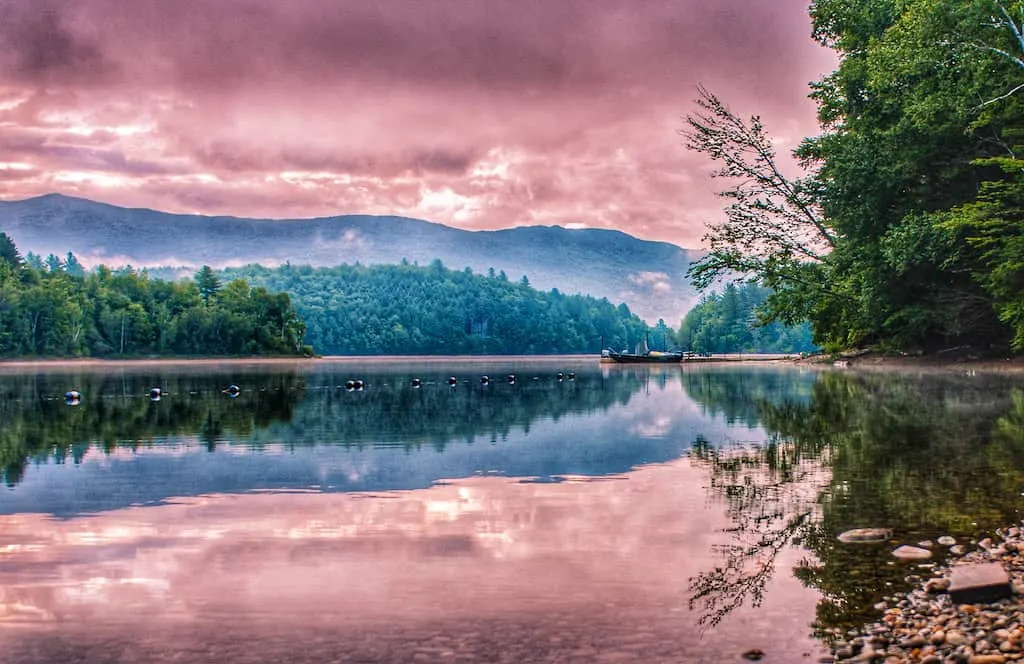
pixel 907 552
pixel 981 583
pixel 865 535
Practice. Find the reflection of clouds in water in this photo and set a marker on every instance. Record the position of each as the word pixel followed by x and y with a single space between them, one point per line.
pixel 657 428
pixel 567 543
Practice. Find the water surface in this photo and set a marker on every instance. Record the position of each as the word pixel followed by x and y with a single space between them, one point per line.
pixel 582 513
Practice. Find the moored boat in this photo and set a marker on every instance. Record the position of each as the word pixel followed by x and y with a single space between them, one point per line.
pixel 650 356
pixel 641 354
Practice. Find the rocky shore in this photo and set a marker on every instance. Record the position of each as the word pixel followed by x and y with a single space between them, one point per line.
pixel 927 627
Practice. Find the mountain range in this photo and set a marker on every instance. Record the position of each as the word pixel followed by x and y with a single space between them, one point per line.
pixel 649 277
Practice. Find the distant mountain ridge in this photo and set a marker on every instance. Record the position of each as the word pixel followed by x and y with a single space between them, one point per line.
pixel 648 276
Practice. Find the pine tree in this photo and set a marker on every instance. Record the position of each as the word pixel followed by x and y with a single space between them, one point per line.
pixel 9 252
pixel 208 283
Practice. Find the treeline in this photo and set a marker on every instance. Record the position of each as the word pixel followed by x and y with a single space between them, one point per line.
pixel 906 231
pixel 59 310
pixel 431 310
pixel 729 323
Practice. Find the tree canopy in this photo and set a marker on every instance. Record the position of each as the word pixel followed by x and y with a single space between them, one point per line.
pixel 905 231
pixel 54 311
pixel 729 323
pixel 412 310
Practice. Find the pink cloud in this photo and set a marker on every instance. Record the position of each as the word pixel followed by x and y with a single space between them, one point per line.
pixel 481 115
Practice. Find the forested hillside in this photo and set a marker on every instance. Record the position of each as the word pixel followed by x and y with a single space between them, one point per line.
pixel 728 323
pixel 409 309
pixel 650 277
pixel 58 310
pixel 906 231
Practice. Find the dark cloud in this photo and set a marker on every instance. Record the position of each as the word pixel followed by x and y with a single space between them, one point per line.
pixel 482 114
pixel 41 47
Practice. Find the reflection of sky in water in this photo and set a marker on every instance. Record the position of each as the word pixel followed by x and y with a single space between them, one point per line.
pixel 659 423
pixel 571 538
pixel 586 562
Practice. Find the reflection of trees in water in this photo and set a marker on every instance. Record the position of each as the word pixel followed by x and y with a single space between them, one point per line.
pixel 116 412
pixel 282 406
pixel 770 495
pixel 390 412
pixel 923 456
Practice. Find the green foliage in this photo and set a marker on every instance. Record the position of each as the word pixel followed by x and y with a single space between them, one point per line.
pixel 8 252
pixel 411 310
pixel 993 228
pixel 732 323
pixel 912 185
pixel 54 312
pixel 208 283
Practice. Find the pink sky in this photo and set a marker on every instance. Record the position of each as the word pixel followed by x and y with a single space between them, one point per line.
pixel 474 113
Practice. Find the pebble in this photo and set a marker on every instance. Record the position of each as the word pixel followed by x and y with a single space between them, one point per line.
pixel 924 626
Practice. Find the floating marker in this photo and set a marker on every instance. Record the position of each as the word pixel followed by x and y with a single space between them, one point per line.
pixel 350 384
pixel 359 384
pixel 73 397
pixel 560 376
pixel 232 391
pixel 416 382
pixel 452 381
pixel 484 380
pixel 571 375
pixel 511 379
pixel 155 394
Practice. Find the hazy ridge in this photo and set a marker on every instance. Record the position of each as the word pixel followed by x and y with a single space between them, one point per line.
pixel 648 276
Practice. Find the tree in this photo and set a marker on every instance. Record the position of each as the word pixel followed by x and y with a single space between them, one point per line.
pixel 53 263
pixel 991 226
pixel 773 222
pixel 72 266
pixel 1011 24
pixel 9 252
pixel 34 261
pixel 208 283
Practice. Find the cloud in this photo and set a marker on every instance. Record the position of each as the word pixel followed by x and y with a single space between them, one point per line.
pixel 483 115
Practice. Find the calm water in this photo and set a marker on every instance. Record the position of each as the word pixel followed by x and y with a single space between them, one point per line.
pixel 654 514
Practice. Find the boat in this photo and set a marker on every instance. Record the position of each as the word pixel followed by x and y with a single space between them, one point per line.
pixel 650 356
pixel 641 354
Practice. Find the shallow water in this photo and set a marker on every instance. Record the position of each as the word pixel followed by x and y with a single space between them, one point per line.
pixel 616 513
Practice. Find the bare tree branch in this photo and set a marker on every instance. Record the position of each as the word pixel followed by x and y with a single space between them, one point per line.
pixel 771 217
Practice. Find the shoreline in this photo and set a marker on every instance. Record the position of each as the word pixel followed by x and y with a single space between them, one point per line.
pixel 851 362
pixel 924 364
pixel 924 625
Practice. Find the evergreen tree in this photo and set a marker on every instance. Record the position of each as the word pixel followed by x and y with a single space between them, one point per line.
pixel 208 283
pixel 9 252
pixel 53 263
pixel 72 266
pixel 34 261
